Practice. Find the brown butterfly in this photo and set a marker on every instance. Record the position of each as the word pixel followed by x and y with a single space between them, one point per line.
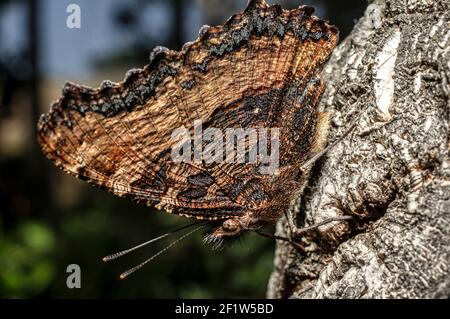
pixel 260 69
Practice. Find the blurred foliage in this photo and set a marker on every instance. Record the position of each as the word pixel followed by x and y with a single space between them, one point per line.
pixel 49 220
pixel 26 260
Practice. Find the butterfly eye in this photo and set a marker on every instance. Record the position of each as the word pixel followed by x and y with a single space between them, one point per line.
pixel 231 226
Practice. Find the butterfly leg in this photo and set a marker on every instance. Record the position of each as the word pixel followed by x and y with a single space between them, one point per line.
pixel 295 231
pixel 323 150
pixel 281 238
pixel 299 231
pixel 290 221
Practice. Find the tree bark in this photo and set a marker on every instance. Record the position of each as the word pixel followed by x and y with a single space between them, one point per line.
pixel 391 77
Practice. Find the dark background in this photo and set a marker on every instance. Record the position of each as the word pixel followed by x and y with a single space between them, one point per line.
pixel 49 220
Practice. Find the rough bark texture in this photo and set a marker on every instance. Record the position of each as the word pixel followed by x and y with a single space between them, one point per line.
pixel 391 77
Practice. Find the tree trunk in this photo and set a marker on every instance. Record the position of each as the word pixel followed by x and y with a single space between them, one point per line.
pixel 391 78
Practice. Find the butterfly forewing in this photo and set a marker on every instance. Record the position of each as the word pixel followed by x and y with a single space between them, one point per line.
pixel 254 71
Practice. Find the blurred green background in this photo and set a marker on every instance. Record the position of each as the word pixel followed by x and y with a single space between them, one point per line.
pixel 49 220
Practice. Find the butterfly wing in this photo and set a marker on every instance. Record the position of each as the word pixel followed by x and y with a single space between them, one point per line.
pixel 119 136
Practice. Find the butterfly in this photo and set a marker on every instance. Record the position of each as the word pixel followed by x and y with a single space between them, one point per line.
pixel 259 70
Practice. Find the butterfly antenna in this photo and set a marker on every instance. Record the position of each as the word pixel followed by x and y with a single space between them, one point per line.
pixel 124 252
pixel 134 269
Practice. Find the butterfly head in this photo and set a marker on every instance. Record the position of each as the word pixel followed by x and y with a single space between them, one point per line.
pixel 229 228
pixel 227 231
pixel 224 232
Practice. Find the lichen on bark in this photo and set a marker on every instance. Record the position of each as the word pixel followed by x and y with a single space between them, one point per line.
pixel 391 77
